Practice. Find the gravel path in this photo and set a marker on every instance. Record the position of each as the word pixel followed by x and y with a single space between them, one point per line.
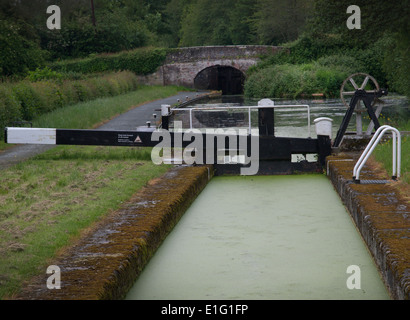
pixel 126 121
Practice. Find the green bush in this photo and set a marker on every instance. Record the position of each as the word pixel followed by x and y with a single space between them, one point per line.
pixel 81 90
pixel 329 80
pixel 313 65
pixel 10 109
pixel 140 61
pixel 26 100
pixel 331 51
pixel 101 84
pixel 50 95
pixel 342 62
pixel 294 81
pixel 79 38
pixel 306 49
pixel 44 74
pixel 20 51
pixel 396 64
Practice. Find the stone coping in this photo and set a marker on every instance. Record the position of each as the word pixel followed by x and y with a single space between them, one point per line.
pixel 106 261
pixel 382 216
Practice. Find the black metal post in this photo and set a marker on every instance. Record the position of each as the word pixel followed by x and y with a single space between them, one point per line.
pixel 368 98
pixel 345 121
pixel 266 122
pixel 165 122
pixel 324 147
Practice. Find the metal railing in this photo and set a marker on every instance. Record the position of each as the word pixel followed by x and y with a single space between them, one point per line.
pixel 372 145
pixel 249 108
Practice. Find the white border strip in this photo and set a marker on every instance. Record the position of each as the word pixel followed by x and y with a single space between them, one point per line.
pixel 31 136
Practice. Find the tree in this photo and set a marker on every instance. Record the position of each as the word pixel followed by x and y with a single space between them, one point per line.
pixel 240 22
pixel 382 22
pixel 206 22
pixel 280 21
pixel 19 47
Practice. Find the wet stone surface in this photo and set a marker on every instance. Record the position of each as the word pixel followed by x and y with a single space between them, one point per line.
pixel 382 215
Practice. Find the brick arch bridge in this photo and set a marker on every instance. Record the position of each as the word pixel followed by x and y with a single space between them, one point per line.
pixel 210 67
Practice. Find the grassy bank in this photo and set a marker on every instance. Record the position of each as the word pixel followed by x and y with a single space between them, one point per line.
pixel 89 114
pixel 92 113
pixel 28 99
pixel 47 201
pixel 383 152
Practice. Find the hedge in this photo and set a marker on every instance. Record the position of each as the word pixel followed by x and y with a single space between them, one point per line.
pixel 141 61
pixel 293 81
pixel 26 100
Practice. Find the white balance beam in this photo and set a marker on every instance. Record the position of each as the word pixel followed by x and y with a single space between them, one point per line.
pixel 30 136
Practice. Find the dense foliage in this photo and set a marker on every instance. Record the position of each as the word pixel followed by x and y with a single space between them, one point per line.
pixel 114 26
pixel 384 36
pixel 380 47
pixel 49 90
pixel 310 28
pixel 291 80
pixel 141 61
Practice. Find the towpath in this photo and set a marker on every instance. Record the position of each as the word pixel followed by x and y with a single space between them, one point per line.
pixel 126 121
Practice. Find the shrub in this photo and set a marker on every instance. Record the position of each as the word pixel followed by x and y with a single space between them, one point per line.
pixel 332 52
pixel 396 64
pixel 141 61
pixel 343 62
pixel 20 51
pixel 50 95
pixel 25 100
pixel 10 109
pixel 44 74
pixel 28 98
pixel 294 81
pixel 102 86
pixel 69 92
pixel 329 80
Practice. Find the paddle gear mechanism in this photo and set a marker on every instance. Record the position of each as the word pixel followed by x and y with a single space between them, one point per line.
pixel 354 96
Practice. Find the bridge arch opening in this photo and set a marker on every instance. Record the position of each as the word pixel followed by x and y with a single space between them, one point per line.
pixel 225 78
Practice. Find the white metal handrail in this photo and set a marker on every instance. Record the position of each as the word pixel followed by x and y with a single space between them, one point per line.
pixel 372 145
pixel 249 108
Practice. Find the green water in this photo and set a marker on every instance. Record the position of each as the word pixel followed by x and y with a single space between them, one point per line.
pixel 262 237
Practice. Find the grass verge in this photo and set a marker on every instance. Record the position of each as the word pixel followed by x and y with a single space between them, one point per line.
pixel 383 155
pixel 93 113
pixel 47 201
pixel 86 115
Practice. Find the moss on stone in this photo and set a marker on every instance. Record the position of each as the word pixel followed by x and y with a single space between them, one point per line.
pixel 382 216
pixel 105 263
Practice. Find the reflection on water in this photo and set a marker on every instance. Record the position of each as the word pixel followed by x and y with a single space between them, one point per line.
pixel 265 237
